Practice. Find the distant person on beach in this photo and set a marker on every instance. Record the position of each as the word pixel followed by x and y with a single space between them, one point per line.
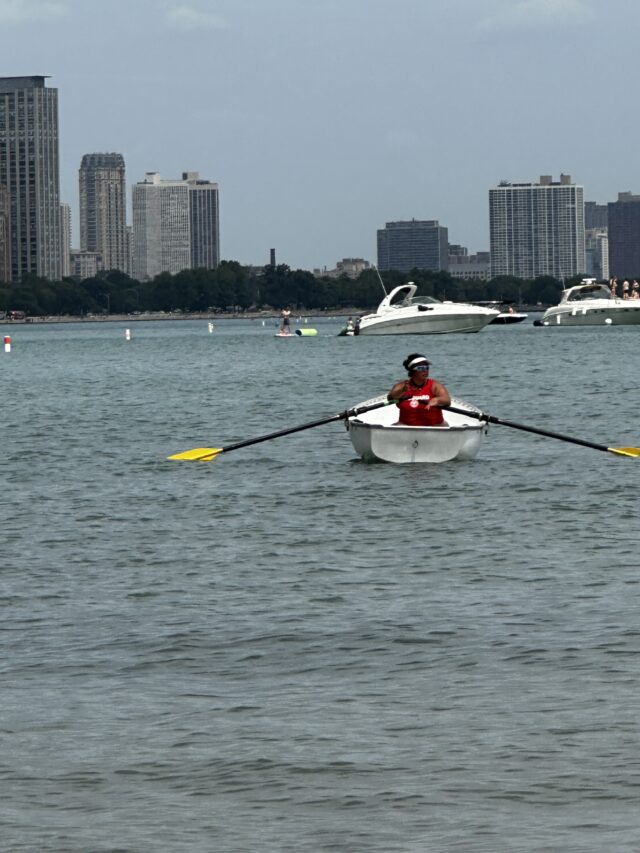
pixel 418 398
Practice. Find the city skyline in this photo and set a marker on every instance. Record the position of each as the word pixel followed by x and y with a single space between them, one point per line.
pixel 388 113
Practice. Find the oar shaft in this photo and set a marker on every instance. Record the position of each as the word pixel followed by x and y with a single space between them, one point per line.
pixel 535 430
pixel 348 413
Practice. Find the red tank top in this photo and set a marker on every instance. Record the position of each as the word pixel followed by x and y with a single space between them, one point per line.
pixel 413 413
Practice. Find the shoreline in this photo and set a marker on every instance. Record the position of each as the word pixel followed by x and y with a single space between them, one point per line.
pixel 203 315
pixel 191 315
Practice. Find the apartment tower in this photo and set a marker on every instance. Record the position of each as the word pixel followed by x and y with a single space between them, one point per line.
pixel 537 229
pixel 413 244
pixel 29 170
pixel 624 236
pixel 204 221
pixel 103 209
pixel 161 227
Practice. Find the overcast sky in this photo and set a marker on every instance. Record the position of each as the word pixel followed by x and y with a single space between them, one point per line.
pixel 323 119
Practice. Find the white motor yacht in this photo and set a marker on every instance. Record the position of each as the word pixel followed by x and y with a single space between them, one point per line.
pixel 401 312
pixel 591 304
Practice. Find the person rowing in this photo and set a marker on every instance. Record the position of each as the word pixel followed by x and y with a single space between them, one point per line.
pixel 419 397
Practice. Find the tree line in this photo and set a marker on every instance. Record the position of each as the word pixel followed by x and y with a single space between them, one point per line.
pixel 235 288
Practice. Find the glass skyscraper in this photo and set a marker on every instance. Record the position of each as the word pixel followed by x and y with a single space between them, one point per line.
pixel 29 170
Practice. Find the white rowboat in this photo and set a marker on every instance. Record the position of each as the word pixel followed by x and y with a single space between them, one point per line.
pixel 377 437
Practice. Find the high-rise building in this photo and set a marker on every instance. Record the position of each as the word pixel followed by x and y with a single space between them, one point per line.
pixel 103 209
pixel 65 239
pixel 537 229
pixel 204 221
pixel 413 244
pixel 596 249
pixel 161 227
pixel 624 236
pixel 5 231
pixel 29 169
pixel 595 216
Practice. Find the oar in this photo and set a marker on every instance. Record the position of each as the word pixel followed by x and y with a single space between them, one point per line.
pixel 620 451
pixel 206 454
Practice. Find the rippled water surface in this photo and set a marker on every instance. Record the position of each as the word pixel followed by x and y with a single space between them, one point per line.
pixel 290 650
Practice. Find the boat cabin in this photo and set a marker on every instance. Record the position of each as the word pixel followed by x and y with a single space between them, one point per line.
pixel 590 290
pixel 404 296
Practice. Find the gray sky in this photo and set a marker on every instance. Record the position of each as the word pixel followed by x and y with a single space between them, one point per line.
pixel 323 119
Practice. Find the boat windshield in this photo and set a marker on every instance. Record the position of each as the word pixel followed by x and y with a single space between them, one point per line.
pixel 596 291
pixel 422 300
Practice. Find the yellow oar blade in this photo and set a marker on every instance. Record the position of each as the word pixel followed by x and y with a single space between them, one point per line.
pixel 198 454
pixel 625 451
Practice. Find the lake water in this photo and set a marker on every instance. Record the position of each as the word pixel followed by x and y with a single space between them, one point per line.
pixel 290 650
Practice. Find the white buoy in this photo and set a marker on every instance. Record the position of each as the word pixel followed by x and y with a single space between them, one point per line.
pixel 608 321
pixel 7 343
pixel 127 334
pixel 211 327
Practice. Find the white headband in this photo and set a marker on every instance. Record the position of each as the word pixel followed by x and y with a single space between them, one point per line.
pixel 420 360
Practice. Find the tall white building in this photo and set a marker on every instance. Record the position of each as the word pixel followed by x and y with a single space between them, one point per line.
pixel 537 229
pixel 161 227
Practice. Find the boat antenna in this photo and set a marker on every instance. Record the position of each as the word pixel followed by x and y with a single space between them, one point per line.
pixel 381 281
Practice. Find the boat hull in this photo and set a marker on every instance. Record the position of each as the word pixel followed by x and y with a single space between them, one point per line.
pixel 615 315
pixel 376 437
pixel 425 324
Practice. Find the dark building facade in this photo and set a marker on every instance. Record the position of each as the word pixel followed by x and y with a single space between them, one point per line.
pixel 204 217
pixel 29 169
pixel 624 236
pixel 595 216
pixel 5 231
pixel 413 244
